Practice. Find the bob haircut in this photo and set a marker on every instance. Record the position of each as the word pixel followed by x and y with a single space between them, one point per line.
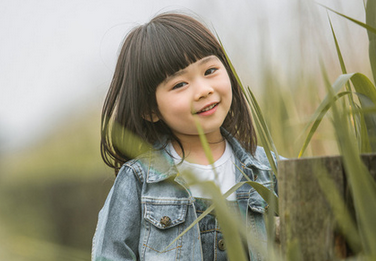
pixel 151 52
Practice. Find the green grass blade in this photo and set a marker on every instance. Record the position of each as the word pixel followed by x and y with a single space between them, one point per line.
pixel 363 86
pixel 230 226
pixel 344 71
pixel 316 119
pixel 366 92
pixel 263 131
pixel 129 143
pixel 264 192
pixel 258 118
pixel 370 26
pixel 362 185
pixel 339 209
pixel 339 53
pixel 365 145
pixel 371 21
pixel 231 65
pixel 366 26
pixel 268 195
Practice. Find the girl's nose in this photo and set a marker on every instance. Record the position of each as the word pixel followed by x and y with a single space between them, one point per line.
pixel 203 91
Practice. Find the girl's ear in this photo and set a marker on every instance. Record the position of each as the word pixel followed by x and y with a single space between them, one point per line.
pixel 152 118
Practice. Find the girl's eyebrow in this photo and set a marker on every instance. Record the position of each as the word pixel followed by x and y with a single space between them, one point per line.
pixel 183 71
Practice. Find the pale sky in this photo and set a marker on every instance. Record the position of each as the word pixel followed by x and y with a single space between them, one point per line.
pixel 56 56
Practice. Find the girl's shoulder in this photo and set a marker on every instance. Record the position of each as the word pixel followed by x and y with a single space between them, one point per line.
pixel 132 168
pixel 148 166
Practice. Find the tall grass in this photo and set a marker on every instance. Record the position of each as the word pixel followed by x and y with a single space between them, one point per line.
pixel 353 119
pixel 354 124
pixel 349 105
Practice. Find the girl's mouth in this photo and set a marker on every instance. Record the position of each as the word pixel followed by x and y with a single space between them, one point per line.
pixel 207 108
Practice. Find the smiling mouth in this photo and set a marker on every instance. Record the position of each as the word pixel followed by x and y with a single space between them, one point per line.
pixel 207 108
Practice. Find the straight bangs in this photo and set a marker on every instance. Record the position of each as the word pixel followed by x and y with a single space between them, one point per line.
pixel 170 46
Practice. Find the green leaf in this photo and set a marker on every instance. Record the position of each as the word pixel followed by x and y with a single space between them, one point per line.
pixel 339 54
pixel 366 26
pixel 263 131
pixel 129 143
pixel 231 227
pixel 316 119
pixel 363 86
pixel 366 92
pixel 362 185
pixel 344 71
pixel 259 121
pixel 264 192
pixel 231 65
pixel 371 21
pixel 339 209
pixel 365 146
pixel 268 195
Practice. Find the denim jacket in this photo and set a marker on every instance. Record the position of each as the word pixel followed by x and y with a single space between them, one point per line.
pixel 130 224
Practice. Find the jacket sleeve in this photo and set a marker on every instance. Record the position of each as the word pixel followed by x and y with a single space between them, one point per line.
pixel 118 229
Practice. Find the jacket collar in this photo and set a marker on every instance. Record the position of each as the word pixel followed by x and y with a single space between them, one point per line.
pixel 245 158
pixel 160 165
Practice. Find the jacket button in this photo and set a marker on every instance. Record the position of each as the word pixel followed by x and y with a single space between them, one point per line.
pixel 221 245
pixel 165 221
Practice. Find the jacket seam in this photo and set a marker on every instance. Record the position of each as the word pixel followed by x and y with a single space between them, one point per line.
pixel 137 172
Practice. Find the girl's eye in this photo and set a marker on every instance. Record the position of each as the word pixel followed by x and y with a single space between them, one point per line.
pixel 210 71
pixel 179 85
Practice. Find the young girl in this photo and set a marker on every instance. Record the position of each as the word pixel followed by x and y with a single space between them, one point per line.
pixel 170 72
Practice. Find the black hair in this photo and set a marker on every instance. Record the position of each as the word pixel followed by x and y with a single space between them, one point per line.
pixel 151 52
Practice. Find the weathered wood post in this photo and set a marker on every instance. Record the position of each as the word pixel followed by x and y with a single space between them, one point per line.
pixel 305 215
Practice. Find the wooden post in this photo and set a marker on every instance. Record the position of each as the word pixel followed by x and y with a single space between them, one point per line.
pixel 306 221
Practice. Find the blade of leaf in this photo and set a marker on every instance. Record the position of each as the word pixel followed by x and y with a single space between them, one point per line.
pixel 361 84
pixel 344 71
pixel 364 146
pixel 362 185
pixel 264 192
pixel 257 116
pixel 316 119
pixel 230 64
pixel 366 92
pixel 368 121
pixel 366 26
pixel 264 133
pixel 229 225
pixel 339 209
pixel 371 21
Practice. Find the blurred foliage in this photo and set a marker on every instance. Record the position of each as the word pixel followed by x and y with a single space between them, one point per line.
pixel 51 192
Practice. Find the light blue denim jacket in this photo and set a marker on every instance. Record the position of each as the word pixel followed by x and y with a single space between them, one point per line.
pixel 148 188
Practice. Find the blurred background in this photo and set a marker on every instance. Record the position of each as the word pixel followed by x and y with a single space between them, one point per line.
pixel 56 63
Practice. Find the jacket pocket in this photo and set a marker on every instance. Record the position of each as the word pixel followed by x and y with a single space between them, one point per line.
pixel 164 221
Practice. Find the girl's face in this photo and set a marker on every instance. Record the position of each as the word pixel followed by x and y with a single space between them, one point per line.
pixel 202 90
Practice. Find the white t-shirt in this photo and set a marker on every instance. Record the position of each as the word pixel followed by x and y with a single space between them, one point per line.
pixel 224 167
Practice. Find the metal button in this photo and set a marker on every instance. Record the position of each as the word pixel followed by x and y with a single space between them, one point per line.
pixel 221 245
pixel 165 221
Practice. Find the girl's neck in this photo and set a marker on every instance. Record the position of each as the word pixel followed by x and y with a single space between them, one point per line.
pixel 194 152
